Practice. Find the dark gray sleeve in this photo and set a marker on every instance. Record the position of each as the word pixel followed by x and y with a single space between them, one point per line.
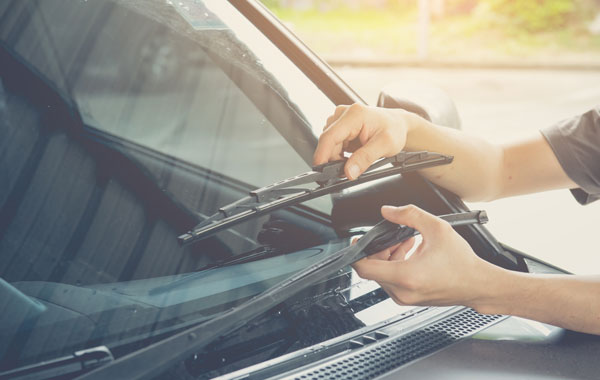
pixel 576 144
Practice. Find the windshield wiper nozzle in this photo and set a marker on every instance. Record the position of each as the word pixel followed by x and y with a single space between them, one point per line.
pixel 326 179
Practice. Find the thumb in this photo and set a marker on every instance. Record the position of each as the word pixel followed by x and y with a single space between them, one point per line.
pixel 427 224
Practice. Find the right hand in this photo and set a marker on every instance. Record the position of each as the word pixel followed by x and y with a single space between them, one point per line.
pixel 381 132
pixel 442 271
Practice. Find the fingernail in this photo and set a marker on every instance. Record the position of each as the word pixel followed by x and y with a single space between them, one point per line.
pixel 353 171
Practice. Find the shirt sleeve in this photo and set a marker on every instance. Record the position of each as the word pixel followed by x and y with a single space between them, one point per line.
pixel 576 144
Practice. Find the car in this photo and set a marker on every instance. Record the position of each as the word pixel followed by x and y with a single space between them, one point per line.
pixel 146 232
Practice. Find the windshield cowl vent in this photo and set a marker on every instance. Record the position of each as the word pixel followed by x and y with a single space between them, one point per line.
pixel 370 361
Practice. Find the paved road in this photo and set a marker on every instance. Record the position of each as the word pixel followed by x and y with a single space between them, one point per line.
pixel 502 105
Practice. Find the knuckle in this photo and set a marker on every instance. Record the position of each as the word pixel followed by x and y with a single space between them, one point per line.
pixel 326 136
pixel 356 107
pixel 411 210
pixel 341 108
pixel 442 227
pixel 445 226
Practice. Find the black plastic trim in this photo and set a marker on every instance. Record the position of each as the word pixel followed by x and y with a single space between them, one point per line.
pixel 379 358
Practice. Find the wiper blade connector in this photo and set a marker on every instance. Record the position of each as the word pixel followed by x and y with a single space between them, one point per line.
pixel 326 179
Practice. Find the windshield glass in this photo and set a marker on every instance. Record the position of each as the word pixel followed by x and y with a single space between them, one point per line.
pixel 124 124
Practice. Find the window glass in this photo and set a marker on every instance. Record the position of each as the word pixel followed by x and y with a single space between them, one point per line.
pixel 122 125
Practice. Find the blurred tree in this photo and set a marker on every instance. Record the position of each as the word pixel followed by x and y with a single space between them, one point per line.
pixel 533 15
pixel 459 7
pixel 333 4
pixel 271 3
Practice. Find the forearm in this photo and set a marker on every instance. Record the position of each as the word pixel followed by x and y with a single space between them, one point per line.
pixel 529 166
pixel 572 302
pixel 485 171
pixel 474 174
pixel 481 170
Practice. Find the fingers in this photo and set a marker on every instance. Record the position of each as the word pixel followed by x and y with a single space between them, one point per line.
pixel 370 133
pixel 339 110
pixel 342 130
pixel 402 250
pixel 395 252
pixel 382 255
pixel 363 157
pixel 427 224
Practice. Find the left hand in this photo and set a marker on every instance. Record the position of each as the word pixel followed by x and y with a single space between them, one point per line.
pixel 369 132
pixel 443 270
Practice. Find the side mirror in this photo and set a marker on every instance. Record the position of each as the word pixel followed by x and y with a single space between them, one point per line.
pixel 427 101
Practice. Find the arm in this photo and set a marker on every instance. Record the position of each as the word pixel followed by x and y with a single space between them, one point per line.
pixel 444 270
pixel 572 302
pixel 480 170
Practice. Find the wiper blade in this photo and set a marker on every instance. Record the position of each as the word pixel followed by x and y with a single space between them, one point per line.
pixel 159 356
pixel 326 179
pixel 259 253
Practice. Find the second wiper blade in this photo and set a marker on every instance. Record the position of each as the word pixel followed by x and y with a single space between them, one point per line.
pixel 150 361
pixel 326 179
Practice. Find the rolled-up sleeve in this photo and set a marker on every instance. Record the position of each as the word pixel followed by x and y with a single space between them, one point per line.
pixel 576 144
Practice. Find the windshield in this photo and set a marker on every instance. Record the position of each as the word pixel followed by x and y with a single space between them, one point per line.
pixel 124 124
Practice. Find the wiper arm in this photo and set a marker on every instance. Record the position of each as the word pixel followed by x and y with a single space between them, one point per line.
pixel 328 178
pixel 64 367
pixel 159 356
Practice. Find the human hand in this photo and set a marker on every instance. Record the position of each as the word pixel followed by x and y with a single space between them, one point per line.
pixel 381 132
pixel 443 270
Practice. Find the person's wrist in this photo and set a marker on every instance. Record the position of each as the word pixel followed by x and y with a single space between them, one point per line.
pixel 415 126
pixel 500 292
pixel 488 288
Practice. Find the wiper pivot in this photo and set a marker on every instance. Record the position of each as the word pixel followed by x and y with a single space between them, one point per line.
pixel 328 178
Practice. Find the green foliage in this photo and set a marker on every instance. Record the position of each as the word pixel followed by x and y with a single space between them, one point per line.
pixel 465 29
pixel 533 15
pixel 459 7
pixel 337 5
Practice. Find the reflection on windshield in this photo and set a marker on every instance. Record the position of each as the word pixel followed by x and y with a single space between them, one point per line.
pixel 120 129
